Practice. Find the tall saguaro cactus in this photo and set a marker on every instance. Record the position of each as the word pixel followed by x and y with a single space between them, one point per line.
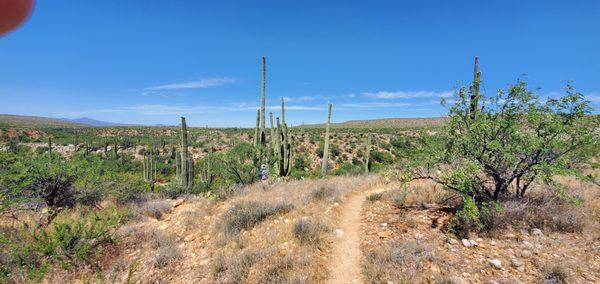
pixel 475 89
pixel 263 101
pixel 50 145
pixel 325 164
pixel 368 155
pixel 282 144
pixel 185 163
pixel 149 168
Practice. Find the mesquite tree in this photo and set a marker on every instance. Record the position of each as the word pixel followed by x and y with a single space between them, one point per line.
pixel 515 139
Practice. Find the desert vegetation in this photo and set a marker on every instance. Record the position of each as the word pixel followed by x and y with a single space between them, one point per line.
pixel 503 188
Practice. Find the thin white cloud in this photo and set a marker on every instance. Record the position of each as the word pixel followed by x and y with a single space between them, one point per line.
pixel 593 97
pixel 300 99
pixel 362 105
pixel 198 84
pixel 408 94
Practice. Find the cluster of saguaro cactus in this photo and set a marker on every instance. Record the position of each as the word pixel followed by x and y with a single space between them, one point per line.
pixel 149 168
pixel 282 144
pixel 475 90
pixel 184 162
pixel 325 164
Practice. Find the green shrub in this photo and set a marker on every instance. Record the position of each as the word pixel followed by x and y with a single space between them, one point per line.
pixel 69 241
pixel 349 169
pixel 375 196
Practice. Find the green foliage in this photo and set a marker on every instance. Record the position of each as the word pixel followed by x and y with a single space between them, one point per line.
pixel 69 241
pixel 242 163
pixel 349 169
pixel 518 137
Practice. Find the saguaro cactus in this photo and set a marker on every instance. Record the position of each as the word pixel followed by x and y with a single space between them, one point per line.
pixel 282 144
pixel 149 166
pixel 257 129
pixel 263 101
pixel 368 155
pixel 186 173
pixel 50 145
pixel 207 175
pixel 475 89
pixel 325 164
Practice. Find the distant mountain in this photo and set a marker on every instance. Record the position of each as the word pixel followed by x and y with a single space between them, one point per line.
pixel 38 121
pixel 92 122
pixel 35 121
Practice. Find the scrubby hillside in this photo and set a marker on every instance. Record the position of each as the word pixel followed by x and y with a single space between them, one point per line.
pixel 402 123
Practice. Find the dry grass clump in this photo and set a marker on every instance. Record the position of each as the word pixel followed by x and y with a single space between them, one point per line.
pixel 309 231
pixel 541 210
pixel 396 196
pixel 555 273
pixel 235 269
pixel 280 268
pixel 155 209
pixel 375 196
pixel 167 250
pixel 246 214
pixel 323 193
pixel 396 261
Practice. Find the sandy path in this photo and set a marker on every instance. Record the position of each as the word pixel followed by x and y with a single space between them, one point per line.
pixel 345 261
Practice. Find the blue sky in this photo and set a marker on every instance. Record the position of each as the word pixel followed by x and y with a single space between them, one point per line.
pixel 151 61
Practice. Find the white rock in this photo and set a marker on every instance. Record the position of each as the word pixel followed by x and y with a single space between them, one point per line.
pixel 493 243
pixel 338 233
pixel 527 245
pixel 496 263
pixel 466 243
pixel 526 253
pixel 516 263
pixel 383 224
pixel 537 232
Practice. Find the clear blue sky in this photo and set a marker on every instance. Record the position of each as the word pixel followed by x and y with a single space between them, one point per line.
pixel 151 61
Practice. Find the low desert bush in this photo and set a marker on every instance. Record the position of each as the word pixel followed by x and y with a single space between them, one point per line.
pixel 399 262
pixel 245 215
pixel 349 169
pixel 375 196
pixel 549 212
pixel 396 196
pixel 235 269
pixel 155 209
pixel 167 250
pixel 309 231
pixel 325 193
pixel 555 273
pixel 72 239
pixel 275 268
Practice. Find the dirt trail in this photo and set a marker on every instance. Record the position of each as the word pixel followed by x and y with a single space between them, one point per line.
pixel 345 261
